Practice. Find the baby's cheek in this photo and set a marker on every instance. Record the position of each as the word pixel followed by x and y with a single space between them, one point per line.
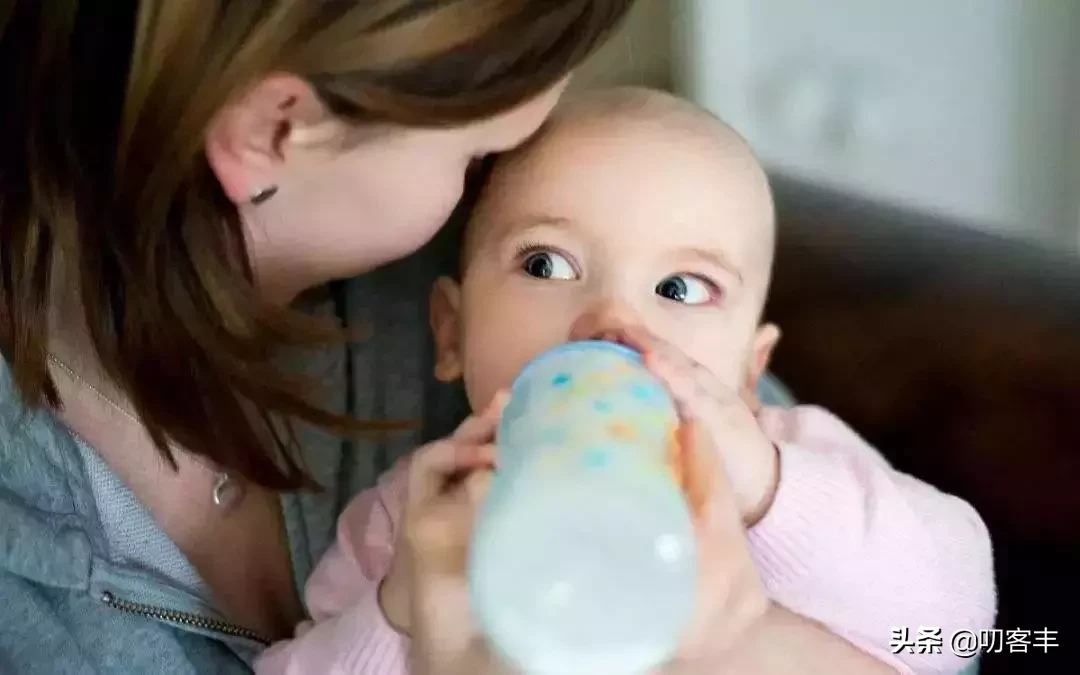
pixel 494 357
pixel 488 369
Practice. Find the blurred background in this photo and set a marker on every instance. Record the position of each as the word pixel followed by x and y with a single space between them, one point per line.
pixel 925 156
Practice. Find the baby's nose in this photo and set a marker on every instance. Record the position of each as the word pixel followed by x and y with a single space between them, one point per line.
pixel 610 322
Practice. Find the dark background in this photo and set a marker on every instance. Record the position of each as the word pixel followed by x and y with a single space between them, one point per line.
pixel 957 353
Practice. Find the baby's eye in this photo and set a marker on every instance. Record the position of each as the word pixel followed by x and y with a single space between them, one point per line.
pixel 548 265
pixel 687 289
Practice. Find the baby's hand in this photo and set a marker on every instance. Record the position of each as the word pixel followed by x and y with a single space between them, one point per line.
pixel 435 521
pixel 719 439
pixel 750 460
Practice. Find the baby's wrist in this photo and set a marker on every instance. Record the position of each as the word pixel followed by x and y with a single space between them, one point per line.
pixel 392 607
pixel 759 508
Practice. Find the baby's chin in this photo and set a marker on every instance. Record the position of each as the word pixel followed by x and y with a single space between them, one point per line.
pixel 481 400
pixel 484 378
pixel 484 382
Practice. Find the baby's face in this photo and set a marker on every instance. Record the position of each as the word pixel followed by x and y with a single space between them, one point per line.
pixel 600 226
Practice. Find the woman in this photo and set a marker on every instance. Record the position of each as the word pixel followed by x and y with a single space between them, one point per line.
pixel 173 177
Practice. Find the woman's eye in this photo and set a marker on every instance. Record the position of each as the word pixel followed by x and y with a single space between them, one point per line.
pixel 548 265
pixel 687 289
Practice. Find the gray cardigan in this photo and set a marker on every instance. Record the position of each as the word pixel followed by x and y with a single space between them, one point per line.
pixel 90 584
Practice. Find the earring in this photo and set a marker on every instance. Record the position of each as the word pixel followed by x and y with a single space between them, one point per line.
pixel 263 195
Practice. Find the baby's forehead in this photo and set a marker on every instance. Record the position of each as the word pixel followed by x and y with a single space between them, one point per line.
pixel 625 155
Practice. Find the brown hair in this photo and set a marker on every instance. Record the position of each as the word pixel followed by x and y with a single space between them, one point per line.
pixel 102 171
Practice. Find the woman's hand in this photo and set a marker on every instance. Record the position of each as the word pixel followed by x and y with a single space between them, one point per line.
pixel 426 592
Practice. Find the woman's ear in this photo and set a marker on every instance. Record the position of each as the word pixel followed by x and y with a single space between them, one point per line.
pixel 444 309
pixel 764 343
pixel 249 139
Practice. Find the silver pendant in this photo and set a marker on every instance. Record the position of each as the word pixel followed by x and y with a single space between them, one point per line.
pixel 227 491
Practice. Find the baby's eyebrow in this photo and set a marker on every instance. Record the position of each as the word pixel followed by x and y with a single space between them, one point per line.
pixel 511 227
pixel 535 220
pixel 498 231
pixel 712 257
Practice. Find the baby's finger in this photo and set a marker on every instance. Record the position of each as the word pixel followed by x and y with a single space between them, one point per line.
pixel 443 528
pixel 476 486
pixel 731 590
pixel 706 484
pixel 651 344
pixel 435 466
pixel 446 458
pixel 751 400
pixel 702 394
pixel 480 428
pixel 654 347
pixel 439 543
pixel 657 351
pixel 671 359
pixel 690 399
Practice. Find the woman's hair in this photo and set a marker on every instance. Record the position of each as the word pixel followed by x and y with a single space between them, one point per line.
pixel 103 178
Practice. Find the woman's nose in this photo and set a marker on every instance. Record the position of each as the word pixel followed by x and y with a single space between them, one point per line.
pixel 609 321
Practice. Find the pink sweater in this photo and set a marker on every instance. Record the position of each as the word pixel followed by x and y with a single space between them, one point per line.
pixel 849 542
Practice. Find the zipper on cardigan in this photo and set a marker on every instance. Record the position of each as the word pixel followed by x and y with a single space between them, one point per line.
pixel 182 618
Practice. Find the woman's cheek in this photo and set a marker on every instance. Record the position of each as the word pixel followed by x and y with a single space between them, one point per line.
pixel 434 203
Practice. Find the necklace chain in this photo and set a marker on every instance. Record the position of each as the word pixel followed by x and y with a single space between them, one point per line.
pixel 227 491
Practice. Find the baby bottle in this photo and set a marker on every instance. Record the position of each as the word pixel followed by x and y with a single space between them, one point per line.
pixel 583 558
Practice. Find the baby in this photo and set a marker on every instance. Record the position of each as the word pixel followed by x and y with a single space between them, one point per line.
pixel 635 210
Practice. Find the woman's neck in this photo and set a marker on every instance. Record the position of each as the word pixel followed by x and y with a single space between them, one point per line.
pixel 252 577
pixel 69 339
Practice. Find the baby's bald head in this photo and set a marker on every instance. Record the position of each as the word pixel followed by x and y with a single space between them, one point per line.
pixel 651 128
pixel 629 208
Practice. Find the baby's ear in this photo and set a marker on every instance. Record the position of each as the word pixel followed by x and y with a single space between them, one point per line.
pixel 444 306
pixel 764 343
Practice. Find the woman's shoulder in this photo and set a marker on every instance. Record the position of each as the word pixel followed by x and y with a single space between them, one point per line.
pixel 52 618
pixel 73 632
pixel 11 407
pixel 37 479
pixel 32 464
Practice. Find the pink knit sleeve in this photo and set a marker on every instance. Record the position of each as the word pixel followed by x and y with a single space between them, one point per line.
pixel 866 550
pixel 348 634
